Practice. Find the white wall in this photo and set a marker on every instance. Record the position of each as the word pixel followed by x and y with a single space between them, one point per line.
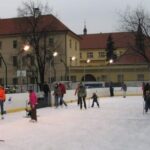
pixel 18 100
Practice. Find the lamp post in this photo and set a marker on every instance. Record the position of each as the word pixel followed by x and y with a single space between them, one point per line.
pixel 73 58
pixel 25 48
pixel 54 55
pixel 87 61
pixel 110 62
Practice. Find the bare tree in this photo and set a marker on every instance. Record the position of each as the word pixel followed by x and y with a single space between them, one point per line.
pixel 137 22
pixel 37 25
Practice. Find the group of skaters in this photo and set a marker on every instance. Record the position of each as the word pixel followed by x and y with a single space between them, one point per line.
pixel 146 95
pixel 82 93
pixel 60 90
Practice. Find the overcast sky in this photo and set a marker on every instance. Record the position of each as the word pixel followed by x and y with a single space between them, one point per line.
pixel 99 15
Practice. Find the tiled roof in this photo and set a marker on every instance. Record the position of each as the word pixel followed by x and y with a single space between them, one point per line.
pixel 121 40
pixel 13 26
pixel 98 41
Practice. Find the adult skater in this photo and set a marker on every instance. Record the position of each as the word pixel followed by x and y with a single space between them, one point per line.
pixel 147 101
pixel 82 95
pixel 2 100
pixel 111 89
pixel 57 94
pixel 63 91
pixel 76 93
pixel 33 103
pixel 124 89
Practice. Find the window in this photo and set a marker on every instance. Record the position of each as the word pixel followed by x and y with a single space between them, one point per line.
pixel 80 55
pixel 120 77
pixel 73 78
pixel 140 77
pixel 32 60
pixel 32 80
pixel 15 81
pixel 102 54
pixel 1 81
pixel 15 62
pixel 104 78
pixel 51 41
pixel 0 44
pixel 75 45
pixel 90 55
pixel 14 43
pixel 70 43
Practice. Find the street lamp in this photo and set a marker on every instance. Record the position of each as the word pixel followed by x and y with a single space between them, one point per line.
pixel 111 60
pixel 73 58
pixel 54 55
pixel 25 49
pixel 50 62
pixel 87 61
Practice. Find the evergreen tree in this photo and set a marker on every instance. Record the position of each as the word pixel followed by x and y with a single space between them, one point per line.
pixel 110 48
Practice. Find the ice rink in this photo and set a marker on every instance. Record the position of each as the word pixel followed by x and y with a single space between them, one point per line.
pixel 119 124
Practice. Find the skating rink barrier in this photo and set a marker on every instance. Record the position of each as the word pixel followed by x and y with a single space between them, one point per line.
pixel 18 101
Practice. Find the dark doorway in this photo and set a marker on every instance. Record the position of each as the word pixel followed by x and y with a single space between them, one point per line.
pixel 88 77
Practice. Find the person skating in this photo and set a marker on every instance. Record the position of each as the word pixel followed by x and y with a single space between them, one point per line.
pixel 33 103
pixel 147 101
pixel 111 89
pixel 82 95
pixel 124 89
pixel 2 100
pixel 95 100
pixel 63 91
pixel 57 94
pixel 76 93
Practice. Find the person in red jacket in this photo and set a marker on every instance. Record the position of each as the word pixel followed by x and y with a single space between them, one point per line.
pixel 63 91
pixel 33 103
pixel 2 100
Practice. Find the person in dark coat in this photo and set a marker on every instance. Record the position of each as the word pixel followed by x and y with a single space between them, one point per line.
pixel 147 101
pixel 57 94
pixel 82 95
pixel 95 99
pixel 145 88
pixel 124 89
pixel 46 91
pixel 111 88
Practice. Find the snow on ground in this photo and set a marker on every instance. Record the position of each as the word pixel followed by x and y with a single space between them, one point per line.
pixel 118 125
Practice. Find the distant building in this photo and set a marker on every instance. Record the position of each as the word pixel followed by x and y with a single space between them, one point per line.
pixel 129 66
pixel 11 45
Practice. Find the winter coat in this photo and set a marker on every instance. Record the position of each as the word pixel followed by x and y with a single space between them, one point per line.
pixel 2 94
pixel 82 91
pixel 46 88
pixel 32 99
pixel 94 97
pixel 57 91
pixel 62 88
pixel 124 87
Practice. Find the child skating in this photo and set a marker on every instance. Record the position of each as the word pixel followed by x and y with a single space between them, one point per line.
pixel 95 100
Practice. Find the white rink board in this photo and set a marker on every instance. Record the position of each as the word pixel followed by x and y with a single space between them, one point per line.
pixel 18 100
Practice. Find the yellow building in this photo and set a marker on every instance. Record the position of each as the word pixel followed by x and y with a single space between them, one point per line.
pixel 11 47
pixel 129 66
pixel 73 52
